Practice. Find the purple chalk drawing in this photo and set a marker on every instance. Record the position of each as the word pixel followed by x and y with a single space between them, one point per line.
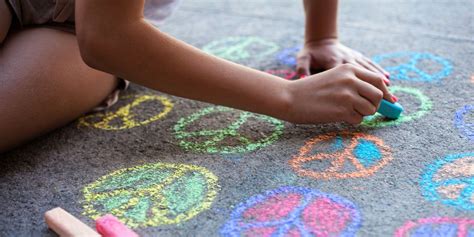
pixel 294 211
pixel 462 123
pixel 288 56
pixel 437 227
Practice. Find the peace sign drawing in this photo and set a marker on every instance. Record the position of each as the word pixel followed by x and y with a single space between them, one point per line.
pixel 241 48
pixel 451 181
pixel 125 118
pixel 464 121
pixel 294 211
pixel 362 157
pixel 232 137
pixel 437 226
pixel 415 66
pixel 152 194
pixel 424 106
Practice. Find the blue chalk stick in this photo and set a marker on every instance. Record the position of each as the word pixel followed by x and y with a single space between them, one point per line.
pixel 389 110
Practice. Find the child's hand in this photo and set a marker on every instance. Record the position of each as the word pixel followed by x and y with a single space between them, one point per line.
pixel 329 53
pixel 345 93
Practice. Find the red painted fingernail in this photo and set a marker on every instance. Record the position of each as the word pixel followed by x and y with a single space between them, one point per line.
pixel 394 98
pixel 387 81
pixel 302 76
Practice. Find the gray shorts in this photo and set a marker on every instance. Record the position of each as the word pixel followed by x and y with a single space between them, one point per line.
pixel 57 14
pixel 50 13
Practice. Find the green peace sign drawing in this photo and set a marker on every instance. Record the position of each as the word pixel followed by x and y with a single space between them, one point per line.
pixel 152 194
pixel 229 139
pixel 425 105
pixel 241 48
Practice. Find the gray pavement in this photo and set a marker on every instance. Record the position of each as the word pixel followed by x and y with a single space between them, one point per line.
pixel 419 170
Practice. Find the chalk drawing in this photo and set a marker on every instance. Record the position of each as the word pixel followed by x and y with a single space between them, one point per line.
pixel 450 180
pixel 123 118
pixel 283 73
pixel 437 227
pixel 463 124
pixel 425 105
pixel 241 48
pixel 364 156
pixel 152 194
pixel 288 56
pixel 294 211
pixel 214 138
pixel 410 70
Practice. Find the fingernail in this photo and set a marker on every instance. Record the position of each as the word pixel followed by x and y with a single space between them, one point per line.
pixel 394 98
pixel 302 76
pixel 387 81
pixel 387 75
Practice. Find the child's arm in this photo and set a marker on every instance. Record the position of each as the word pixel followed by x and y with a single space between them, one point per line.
pixel 322 49
pixel 114 37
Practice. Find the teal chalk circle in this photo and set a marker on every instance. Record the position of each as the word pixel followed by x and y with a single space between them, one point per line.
pixel 450 181
pixel 238 49
pixel 193 140
pixel 411 69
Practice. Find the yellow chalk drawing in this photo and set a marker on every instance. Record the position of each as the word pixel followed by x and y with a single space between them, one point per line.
pixel 124 115
pixel 152 194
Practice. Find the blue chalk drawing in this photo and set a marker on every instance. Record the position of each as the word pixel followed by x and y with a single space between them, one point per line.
pixel 430 187
pixel 288 56
pixel 430 230
pixel 367 153
pixel 236 226
pixel 464 127
pixel 410 72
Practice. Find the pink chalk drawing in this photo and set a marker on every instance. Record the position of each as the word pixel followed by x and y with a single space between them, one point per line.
pixel 437 226
pixel 294 211
pixel 283 73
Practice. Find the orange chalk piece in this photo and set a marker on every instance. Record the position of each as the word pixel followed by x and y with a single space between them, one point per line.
pixel 66 225
pixel 110 226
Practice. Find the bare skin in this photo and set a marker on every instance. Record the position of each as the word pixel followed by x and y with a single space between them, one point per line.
pixel 38 94
pixel 322 49
pixel 107 28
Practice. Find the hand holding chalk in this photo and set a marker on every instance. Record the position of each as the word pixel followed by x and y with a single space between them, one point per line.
pixel 389 110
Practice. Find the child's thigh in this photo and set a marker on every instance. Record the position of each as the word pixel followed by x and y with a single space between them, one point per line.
pixel 5 20
pixel 44 84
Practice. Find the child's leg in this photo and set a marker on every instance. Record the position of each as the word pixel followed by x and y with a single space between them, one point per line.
pixel 5 20
pixel 44 84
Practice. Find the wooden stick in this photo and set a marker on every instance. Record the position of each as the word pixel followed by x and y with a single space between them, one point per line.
pixel 65 224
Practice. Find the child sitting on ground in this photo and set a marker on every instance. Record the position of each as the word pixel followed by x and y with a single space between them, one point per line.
pixel 60 59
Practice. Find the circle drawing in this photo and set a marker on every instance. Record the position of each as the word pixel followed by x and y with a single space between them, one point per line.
pixel 462 123
pixel 425 105
pixel 451 181
pixel 107 120
pixel 241 48
pixel 152 194
pixel 437 226
pixel 294 211
pixel 288 56
pixel 411 69
pixel 283 73
pixel 213 139
pixel 364 156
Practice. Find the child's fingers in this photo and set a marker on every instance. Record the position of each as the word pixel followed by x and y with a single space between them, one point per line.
pixel 364 63
pixel 364 106
pixel 379 68
pixel 303 64
pixel 370 93
pixel 375 80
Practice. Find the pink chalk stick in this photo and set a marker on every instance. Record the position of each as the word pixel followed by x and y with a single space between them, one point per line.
pixel 110 226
